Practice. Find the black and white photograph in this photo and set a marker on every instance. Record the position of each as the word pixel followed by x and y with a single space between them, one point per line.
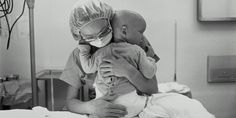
pixel 71 59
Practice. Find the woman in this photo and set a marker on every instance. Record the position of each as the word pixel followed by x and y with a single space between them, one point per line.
pixel 90 14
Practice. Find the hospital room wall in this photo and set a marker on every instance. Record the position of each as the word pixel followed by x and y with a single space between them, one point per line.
pixel 16 59
pixel 196 41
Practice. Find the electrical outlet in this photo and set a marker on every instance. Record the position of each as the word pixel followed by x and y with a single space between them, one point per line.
pixel 223 75
pixel 221 69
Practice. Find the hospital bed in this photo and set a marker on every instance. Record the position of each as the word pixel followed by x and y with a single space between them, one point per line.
pixel 42 112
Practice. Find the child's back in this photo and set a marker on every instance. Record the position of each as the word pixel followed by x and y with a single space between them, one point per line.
pixel 131 53
pixel 121 85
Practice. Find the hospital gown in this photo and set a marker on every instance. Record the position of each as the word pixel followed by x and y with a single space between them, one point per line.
pixel 121 86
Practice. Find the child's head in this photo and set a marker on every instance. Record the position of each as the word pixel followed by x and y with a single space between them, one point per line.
pixel 129 26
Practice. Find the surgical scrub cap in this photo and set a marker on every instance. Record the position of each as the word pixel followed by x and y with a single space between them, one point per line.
pixel 86 11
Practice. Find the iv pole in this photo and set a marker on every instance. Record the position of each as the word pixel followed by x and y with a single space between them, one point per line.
pixel 175 51
pixel 30 4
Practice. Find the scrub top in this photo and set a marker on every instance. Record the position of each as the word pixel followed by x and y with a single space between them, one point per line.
pixel 73 73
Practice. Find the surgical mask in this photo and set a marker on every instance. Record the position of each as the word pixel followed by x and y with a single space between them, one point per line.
pixel 101 42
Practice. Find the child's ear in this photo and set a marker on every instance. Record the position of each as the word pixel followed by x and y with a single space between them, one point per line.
pixel 124 30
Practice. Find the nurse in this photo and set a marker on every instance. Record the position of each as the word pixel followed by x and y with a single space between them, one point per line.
pixel 91 13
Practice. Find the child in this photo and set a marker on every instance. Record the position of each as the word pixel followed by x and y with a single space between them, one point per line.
pixel 127 36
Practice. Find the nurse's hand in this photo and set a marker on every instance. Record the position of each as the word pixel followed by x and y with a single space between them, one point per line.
pixel 114 66
pixel 104 108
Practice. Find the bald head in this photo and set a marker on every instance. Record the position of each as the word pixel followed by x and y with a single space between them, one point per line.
pixel 129 26
pixel 132 20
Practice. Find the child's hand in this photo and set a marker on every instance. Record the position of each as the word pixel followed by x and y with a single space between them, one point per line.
pixel 83 42
pixel 150 53
pixel 149 50
pixel 84 48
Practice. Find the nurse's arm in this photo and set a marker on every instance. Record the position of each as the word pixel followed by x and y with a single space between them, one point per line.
pixel 119 67
pixel 74 104
pixel 147 86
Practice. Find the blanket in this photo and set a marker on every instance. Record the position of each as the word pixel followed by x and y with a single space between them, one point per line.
pixel 38 112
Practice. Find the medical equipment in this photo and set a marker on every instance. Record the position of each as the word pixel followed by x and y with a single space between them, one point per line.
pixel 6 9
pixel 175 50
pixel 48 75
pixel 30 4
pixel 15 93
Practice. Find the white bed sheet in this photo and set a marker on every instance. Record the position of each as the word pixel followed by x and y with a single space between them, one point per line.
pixel 38 112
pixel 41 112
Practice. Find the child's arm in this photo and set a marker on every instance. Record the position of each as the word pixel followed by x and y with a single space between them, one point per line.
pixel 149 50
pixel 88 61
pixel 146 65
pixel 150 53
